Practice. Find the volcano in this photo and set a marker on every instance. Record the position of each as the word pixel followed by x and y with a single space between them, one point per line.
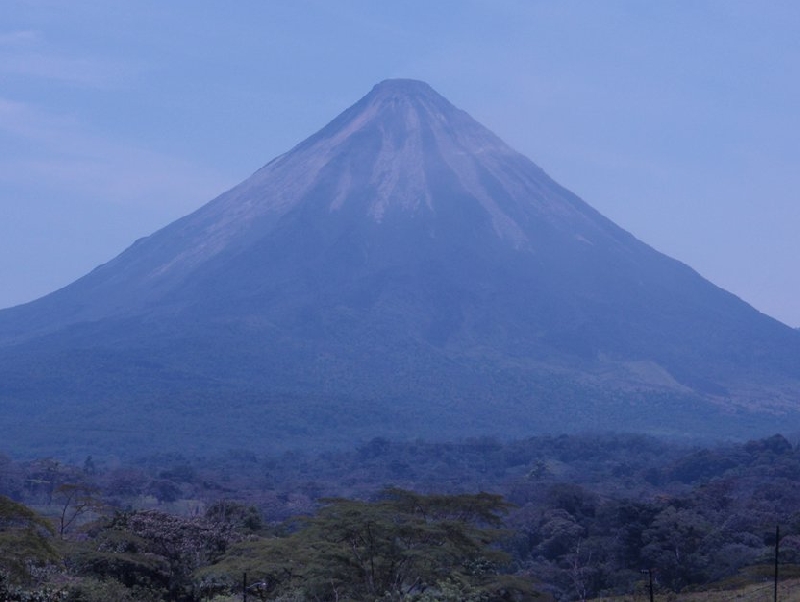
pixel 400 273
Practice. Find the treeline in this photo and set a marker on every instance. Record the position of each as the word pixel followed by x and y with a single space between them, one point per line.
pixel 569 518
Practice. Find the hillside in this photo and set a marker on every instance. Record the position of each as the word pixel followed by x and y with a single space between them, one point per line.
pixel 402 272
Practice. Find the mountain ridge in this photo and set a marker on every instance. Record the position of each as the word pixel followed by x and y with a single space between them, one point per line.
pixel 406 257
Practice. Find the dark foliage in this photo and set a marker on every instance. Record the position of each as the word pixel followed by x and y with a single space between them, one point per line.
pixel 581 516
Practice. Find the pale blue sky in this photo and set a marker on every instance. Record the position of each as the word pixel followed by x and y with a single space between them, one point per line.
pixel 679 120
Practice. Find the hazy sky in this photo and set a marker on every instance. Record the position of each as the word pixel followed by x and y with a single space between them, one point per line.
pixel 679 120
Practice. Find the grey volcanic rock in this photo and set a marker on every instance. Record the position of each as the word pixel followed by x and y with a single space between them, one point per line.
pixel 400 272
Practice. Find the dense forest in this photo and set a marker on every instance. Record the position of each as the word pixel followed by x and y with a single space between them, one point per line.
pixel 572 517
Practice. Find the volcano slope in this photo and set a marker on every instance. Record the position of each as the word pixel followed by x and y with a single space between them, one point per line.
pixel 400 273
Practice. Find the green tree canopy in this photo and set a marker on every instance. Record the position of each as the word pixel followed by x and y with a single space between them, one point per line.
pixel 403 546
pixel 25 539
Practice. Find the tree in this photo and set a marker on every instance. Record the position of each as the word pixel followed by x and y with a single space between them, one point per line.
pixel 151 550
pixel 404 546
pixel 75 500
pixel 25 540
pixel 235 515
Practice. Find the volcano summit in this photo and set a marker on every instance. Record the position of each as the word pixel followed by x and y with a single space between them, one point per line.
pixel 402 273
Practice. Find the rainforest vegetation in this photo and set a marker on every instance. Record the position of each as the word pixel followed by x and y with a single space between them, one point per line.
pixel 547 518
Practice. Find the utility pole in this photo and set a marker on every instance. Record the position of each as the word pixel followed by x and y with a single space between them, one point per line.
pixel 244 587
pixel 649 573
pixel 777 547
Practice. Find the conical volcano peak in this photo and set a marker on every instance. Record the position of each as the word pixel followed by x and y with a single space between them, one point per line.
pixel 382 151
pixel 403 102
pixel 401 152
pixel 402 272
pixel 412 103
pixel 404 149
pixel 405 88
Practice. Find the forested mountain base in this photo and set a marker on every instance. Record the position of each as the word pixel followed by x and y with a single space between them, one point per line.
pixel 562 518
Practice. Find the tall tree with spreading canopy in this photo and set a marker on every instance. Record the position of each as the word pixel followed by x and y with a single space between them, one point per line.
pixel 404 546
